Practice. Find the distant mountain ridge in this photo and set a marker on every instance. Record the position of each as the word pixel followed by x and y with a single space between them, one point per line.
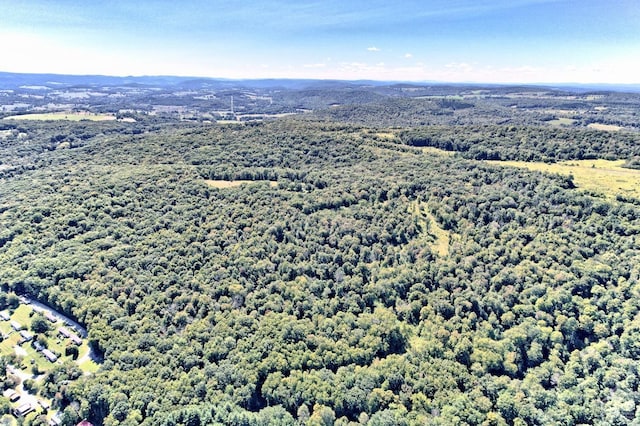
pixel 14 80
pixel 9 80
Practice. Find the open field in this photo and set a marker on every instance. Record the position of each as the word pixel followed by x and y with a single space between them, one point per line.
pixel 601 176
pixel 441 237
pixel 71 116
pixel 606 127
pixel 386 135
pixel 228 122
pixel 233 183
pixel 562 121
pixel 86 364
pixel 436 151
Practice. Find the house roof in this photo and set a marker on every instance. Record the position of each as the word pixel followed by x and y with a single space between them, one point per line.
pixel 24 409
pixel 75 339
pixel 49 355
pixel 9 393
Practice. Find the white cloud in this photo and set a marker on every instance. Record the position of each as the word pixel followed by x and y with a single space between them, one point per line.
pixel 31 52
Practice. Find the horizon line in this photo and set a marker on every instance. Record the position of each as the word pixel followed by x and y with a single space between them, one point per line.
pixel 342 80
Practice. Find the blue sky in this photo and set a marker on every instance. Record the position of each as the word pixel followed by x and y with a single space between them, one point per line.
pixel 498 41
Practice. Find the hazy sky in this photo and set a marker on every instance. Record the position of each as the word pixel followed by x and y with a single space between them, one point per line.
pixel 506 41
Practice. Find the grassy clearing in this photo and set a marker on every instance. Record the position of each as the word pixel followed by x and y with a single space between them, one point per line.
pixel 440 237
pixel 601 176
pixel 71 116
pixel 605 127
pixel 562 121
pixel 436 151
pixel 21 315
pixel 221 184
pixel 89 366
pixel 386 135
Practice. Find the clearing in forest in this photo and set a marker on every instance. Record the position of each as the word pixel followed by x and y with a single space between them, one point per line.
pixel 562 121
pixel 386 135
pixel 233 183
pixel 605 127
pixel 427 222
pixel 602 176
pixel 436 151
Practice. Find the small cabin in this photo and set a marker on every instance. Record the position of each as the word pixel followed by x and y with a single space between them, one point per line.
pixel 16 325
pixel 5 316
pixel 64 332
pixel 48 315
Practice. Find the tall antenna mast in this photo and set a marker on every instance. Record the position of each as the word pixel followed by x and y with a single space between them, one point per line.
pixel 232 112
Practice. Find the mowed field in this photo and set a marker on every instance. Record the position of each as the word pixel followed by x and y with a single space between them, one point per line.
pixel 71 116
pixel 605 127
pixel 602 176
pixel 563 121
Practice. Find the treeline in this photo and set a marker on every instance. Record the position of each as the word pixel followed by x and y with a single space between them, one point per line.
pixel 323 300
pixel 525 143
pixel 26 145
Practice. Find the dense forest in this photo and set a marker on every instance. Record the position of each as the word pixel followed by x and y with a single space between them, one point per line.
pixel 527 143
pixel 353 278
